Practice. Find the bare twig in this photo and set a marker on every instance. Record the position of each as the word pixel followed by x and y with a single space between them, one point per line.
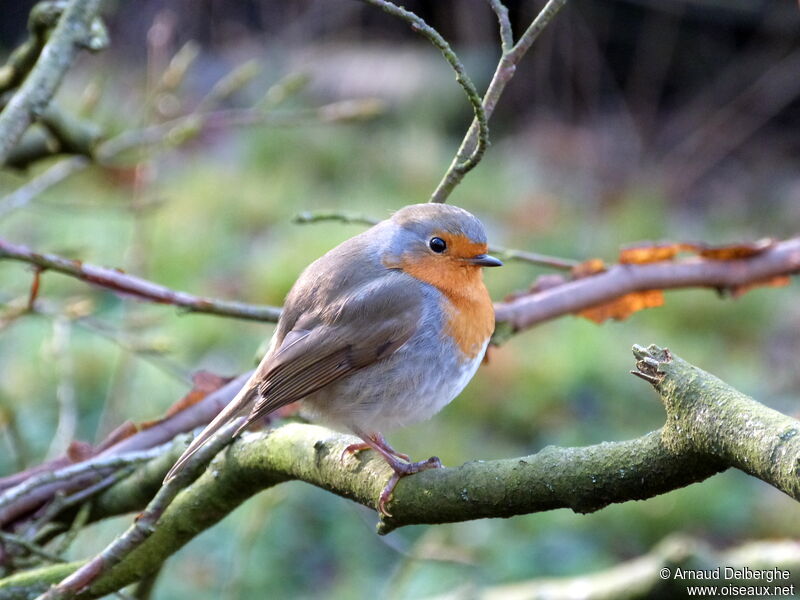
pixel 179 131
pixel 131 285
pixel 318 216
pixel 80 520
pixel 62 359
pixel 155 439
pixel 502 75
pixel 535 258
pixel 782 258
pixel 466 158
pixel 10 538
pixel 61 502
pixel 77 28
pixel 506 35
pixel 47 179
pixel 43 17
pixel 94 468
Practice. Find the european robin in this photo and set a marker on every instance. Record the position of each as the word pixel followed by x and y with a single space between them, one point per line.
pixel 382 331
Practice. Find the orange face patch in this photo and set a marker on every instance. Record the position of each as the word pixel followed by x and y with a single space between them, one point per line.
pixel 460 246
pixel 470 314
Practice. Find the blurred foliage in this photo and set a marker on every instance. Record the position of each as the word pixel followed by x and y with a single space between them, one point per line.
pixel 214 219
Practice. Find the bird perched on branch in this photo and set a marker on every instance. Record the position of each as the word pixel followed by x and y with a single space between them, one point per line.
pixel 382 331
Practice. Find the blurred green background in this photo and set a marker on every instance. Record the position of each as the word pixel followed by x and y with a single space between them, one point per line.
pixel 213 217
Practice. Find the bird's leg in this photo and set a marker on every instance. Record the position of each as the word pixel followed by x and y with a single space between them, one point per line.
pixel 377 440
pixel 396 460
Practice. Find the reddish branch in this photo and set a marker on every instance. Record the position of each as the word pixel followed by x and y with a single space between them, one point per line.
pixel 144 524
pixel 123 283
pixel 528 310
pixel 159 433
pixel 523 312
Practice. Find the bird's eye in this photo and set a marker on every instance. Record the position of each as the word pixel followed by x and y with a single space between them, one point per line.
pixel 438 245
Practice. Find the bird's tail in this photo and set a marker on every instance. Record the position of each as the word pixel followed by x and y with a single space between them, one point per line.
pixel 238 405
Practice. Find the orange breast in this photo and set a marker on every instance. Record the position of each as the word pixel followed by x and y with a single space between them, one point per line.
pixel 470 314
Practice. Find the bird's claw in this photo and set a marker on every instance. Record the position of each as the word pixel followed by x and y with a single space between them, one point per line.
pixel 353 449
pixel 403 470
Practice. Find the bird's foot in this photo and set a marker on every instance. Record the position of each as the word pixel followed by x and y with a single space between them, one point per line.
pixel 403 469
pixel 353 449
pixel 400 463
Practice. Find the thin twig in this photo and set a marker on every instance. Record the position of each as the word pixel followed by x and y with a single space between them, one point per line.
pixel 318 216
pixel 47 179
pixel 78 523
pixel 61 502
pixel 93 465
pixel 179 131
pixel 542 20
pixel 505 70
pixel 123 283
pixel 466 159
pixel 535 258
pixel 62 360
pixel 10 538
pixel 506 35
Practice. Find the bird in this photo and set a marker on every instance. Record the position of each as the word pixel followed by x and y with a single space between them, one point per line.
pixel 382 331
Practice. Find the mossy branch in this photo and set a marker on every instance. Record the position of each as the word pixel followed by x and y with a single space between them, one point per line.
pixel 709 417
pixel 710 427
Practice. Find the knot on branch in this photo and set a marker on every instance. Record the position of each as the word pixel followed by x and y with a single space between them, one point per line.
pixel 649 362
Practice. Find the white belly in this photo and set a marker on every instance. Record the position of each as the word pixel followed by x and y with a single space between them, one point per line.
pixel 423 381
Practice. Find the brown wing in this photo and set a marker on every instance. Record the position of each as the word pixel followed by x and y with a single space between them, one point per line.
pixel 366 328
pixel 324 346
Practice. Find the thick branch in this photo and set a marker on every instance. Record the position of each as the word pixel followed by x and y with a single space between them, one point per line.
pixel 709 417
pixel 73 32
pixel 584 479
pixel 710 426
pixel 783 258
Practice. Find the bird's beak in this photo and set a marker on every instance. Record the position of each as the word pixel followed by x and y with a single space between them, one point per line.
pixel 484 260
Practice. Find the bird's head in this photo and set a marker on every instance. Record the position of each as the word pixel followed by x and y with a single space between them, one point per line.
pixel 440 244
